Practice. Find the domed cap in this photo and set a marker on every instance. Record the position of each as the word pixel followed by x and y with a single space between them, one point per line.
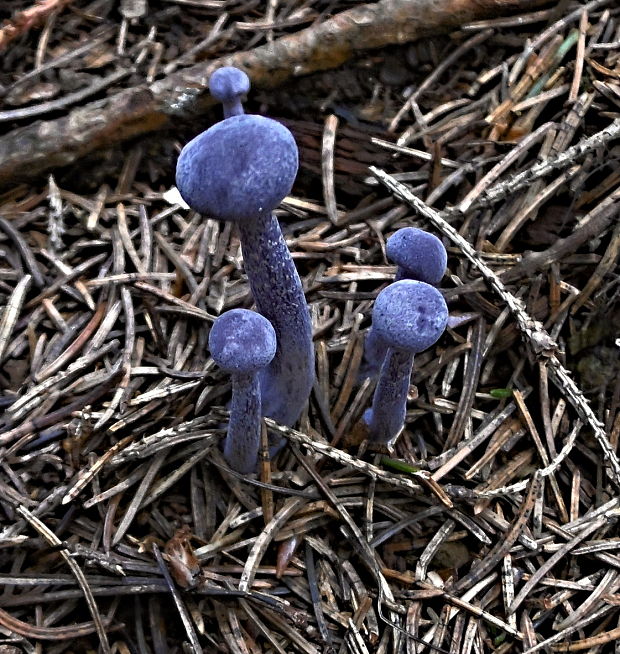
pixel 228 83
pixel 421 255
pixel 410 315
pixel 242 341
pixel 239 168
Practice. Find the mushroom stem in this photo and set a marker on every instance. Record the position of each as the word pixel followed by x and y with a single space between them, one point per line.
pixel 386 418
pixel 243 437
pixel 375 350
pixel 287 381
pixel 401 273
pixel 233 108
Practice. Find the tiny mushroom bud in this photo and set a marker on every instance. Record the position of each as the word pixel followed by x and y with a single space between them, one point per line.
pixel 240 170
pixel 242 343
pixel 419 255
pixel 229 85
pixel 409 316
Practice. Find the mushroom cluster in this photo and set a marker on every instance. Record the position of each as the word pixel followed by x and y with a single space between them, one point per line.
pixel 239 170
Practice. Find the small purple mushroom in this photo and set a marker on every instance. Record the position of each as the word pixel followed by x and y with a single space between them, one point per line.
pixel 240 170
pixel 409 316
pixel 419 255
pixel 229 85
pixel 242 343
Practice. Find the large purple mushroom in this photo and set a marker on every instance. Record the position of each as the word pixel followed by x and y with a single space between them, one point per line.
pixel 419 255
pixel 242 343
pixel 240 170
pixel 409 316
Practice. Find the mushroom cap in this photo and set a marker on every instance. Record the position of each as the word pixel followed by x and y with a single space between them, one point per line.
pixel 228 83
pixel 421 255
pixel 242 341
pixel 410 315
pixel 239 169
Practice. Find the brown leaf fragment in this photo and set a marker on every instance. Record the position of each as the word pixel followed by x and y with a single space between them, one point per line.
pixel 184 565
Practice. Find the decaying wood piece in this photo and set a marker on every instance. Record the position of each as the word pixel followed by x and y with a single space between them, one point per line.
pixel 27 152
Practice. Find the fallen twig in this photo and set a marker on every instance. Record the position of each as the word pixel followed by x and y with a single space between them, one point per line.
pixel 27 152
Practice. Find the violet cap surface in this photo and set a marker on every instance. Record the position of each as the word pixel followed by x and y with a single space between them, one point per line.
pixel 229 85
pixel 418 254
pixel 239 168
pixel 242 341
pixel 410 315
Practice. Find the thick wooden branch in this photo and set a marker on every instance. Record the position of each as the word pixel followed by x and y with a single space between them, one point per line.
pixel 29 151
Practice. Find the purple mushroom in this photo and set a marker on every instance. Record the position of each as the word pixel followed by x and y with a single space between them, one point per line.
pixel 229 85
pixel 409 316
pixel 240 169
pixel 243 343
pixel 419 255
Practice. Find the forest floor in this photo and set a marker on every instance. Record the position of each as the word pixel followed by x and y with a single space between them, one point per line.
pixel 491 525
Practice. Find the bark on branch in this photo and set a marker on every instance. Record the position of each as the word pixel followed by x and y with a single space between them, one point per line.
pixel 28 152
pixel 27 19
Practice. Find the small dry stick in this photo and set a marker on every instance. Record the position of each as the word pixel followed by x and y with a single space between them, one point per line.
pixel 176 596
pixel 11 312
pixel 448 61
pixel 71 632
pixel 581 48
pixel 422 476
pixel 591 643
pixel 551 561
pixel 518 151
pixel 503 189
pixel 53 540
pixel 505 542
pixel 266 495
pixel 606 265
pixel 327 166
